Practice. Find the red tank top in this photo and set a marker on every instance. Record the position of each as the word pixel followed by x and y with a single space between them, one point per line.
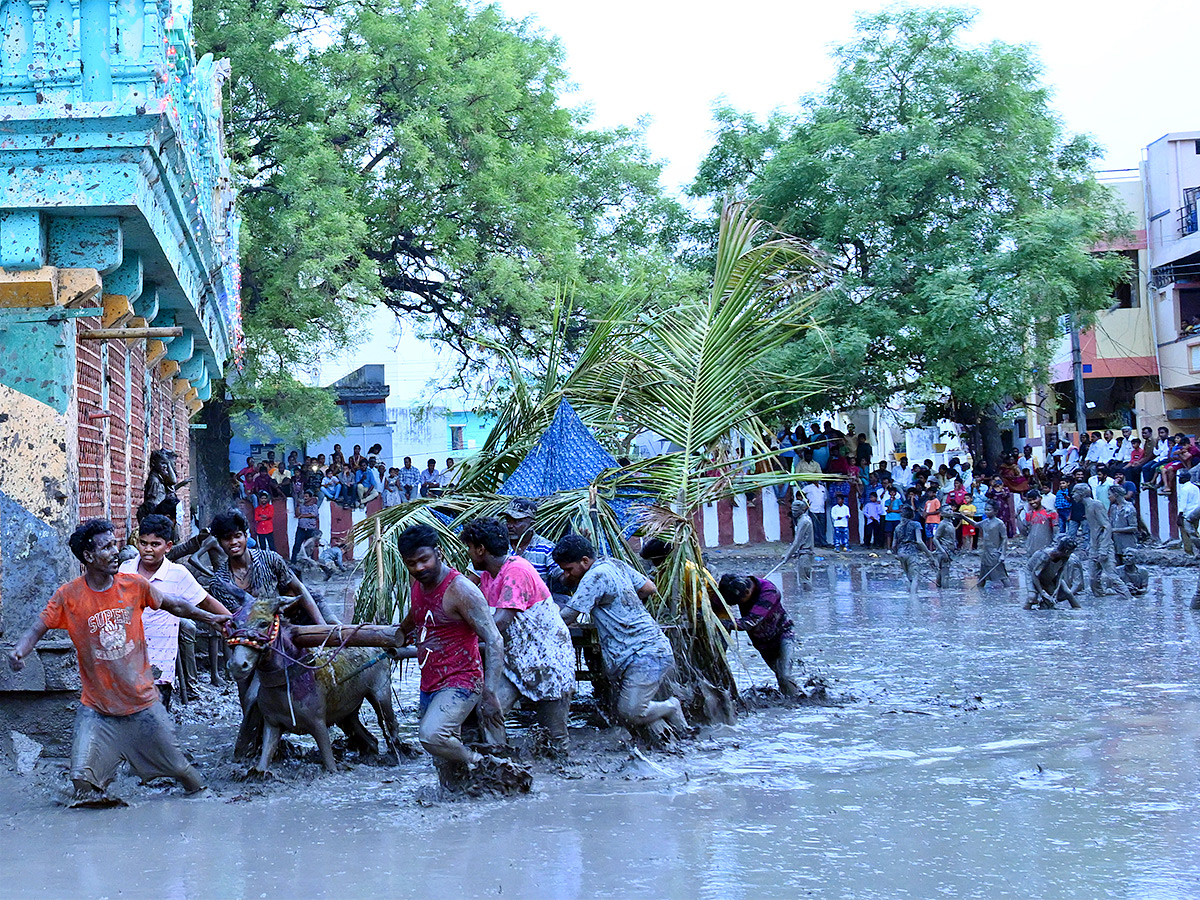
pixel 447 649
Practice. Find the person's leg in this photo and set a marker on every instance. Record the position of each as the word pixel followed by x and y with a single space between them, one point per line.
pixel 507 696
pixel 781 662
pixel 552 715
pixel 148 741
pixel 1113 578
pixel 804 570
pixel 94 754
pixel 441 725
pixel 268 541
pixel 640 683
pixel 185 672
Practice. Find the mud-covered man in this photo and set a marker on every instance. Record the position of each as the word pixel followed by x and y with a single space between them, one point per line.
pixel 908 546
pixel 1101 558
pixel 803 548
pixel 539 659
pixel 1050 576
pixel 637 655
pixel 1123 517
pixel 120 715
pixel 761 615
pixel 448 619
pixel 993 536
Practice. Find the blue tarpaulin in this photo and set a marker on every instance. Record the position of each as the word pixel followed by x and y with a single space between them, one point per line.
pixel 566 458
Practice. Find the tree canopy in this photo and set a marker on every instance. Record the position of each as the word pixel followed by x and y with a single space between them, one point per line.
pixel 417 153
pixel 955 214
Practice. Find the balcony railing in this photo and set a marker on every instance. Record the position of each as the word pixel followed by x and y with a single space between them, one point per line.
pixel 1187 214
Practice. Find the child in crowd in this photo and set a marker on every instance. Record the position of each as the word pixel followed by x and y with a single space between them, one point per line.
pixel 933 514
pixel 264 522
pixel 840 514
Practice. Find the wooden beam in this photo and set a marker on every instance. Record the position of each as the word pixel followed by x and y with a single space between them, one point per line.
pixel 168 369
pixel 155 350
pixel 332 636
pixel 117 311
pixel 79 287
pixel 128 334
pixel 181 387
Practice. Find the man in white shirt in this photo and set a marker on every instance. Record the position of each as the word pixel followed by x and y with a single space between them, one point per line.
pixel 902 474
pixel 1188 498
pixel 1099 451
pixel 1124 448
pixel 1068 458
pixel 173 581
pixel 816 495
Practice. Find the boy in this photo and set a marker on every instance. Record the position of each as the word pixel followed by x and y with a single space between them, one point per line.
pixel 264 521
pixel 173 581
pixel 840 515
pixel 761 615
pixel 120 716
pixel 933 515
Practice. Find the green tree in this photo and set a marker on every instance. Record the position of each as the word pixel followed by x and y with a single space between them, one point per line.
pixel 418 154
pixel 955 215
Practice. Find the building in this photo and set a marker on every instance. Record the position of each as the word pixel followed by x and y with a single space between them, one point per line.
pixel 118 293
pixel 1120 363
pixel 1171 172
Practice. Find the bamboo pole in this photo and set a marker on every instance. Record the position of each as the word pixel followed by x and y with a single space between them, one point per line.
pixel 386 636
pixel 129 334
pixel 378 548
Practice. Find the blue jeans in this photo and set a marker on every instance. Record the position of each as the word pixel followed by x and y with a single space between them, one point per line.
pixel 841 536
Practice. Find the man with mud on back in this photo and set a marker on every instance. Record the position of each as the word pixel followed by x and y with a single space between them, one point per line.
pixel 762 616
pixel 993 535
pixel 637 655
pixel 1050 576
pixel 1101 564
pixel 803 544
pixel 448 618
pixel 907 545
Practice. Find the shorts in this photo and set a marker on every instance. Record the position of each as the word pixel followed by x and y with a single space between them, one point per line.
pixel 426 697
pixel 146 740
pixel 930 528
pixel 889 526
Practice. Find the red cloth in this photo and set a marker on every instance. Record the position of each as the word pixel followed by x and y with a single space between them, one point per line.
pixel 264 518
pixel 516 586
pixel 106 629
pixel 447 648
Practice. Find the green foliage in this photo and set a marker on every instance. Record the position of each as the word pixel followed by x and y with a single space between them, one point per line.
pixel 416 153
pixel 279 406
pixel 938 185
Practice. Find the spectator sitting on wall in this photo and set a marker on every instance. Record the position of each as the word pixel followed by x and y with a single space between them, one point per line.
pixel 356 457
pixel 431 478
pixel 410 479
pixel 367 483
pixel 337 456
pixel 263 482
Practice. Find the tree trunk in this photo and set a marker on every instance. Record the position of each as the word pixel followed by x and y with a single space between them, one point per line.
pixel 989 435
pixel 210 457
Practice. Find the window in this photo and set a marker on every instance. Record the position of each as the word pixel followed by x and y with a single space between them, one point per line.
pixel 1187 214
pixel 1126 293
pixel 456 437
pixel 1189 310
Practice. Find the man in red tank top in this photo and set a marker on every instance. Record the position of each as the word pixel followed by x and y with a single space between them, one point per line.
pixel 448 619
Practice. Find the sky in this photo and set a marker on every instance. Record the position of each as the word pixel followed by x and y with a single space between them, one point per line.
pixel 1125 74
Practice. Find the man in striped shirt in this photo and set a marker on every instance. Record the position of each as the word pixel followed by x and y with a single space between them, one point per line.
pixel 525 542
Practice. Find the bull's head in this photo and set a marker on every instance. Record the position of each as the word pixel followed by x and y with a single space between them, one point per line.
pixel 256 627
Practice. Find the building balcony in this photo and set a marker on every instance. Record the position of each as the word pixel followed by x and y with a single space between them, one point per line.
pixel 111 138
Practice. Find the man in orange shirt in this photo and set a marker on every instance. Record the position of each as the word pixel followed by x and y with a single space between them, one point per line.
pixel 120 714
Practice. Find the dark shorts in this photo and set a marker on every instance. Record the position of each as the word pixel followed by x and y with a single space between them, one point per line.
pixel 930 528
pixel 889 526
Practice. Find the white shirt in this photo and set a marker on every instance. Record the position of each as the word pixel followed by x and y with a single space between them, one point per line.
pixel 1099 452
pixel 161 627
pixel 902 476
pixel 1162 451
pixel 1068 458
pixel 814 493
pixel 840 515
pixel 1188 498
pixel 1122 453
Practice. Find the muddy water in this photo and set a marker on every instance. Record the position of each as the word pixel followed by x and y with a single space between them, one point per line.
pixel 989 752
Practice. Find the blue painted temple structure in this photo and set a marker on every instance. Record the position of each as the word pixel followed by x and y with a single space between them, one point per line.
pixel 119 292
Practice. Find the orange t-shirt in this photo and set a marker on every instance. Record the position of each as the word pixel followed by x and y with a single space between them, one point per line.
pixel 106 629
pixel 933 511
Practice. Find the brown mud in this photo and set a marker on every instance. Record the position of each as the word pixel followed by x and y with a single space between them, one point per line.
pixel 953 745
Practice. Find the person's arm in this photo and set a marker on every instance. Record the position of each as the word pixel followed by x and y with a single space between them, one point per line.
pixel 647 590
pixel 294 587
pixel 504 618
pixel 569 615
pixel 186 610
pixel 16 656
pixel 466 601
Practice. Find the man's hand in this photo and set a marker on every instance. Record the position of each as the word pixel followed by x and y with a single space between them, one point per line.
pixel 489 709
pixel 216 620
pixel 15 662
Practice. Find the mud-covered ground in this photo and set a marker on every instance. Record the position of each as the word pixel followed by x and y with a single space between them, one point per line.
pixel 977 750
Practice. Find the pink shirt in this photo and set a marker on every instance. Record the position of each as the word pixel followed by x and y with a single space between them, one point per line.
pixel 516 586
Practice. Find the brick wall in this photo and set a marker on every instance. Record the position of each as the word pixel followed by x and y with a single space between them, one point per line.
pixel 120 423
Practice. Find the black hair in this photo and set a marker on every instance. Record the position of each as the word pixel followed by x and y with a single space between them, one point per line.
pixel 733 586
pixel 159 526
pixel 83 538
pixel 656 550
pixel 415 537
pixel 573 548
pixel 228 523
pixel 431 462
pixel 487 532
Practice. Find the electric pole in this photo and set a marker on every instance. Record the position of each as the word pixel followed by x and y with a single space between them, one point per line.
pixel 1077 372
